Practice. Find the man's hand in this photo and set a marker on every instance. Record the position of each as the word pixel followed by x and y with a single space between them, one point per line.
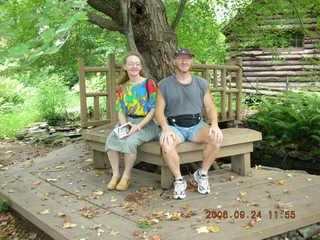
pixel 167 137
pixel 215 134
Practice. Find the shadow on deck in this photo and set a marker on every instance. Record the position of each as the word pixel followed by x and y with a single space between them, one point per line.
pixel 65 197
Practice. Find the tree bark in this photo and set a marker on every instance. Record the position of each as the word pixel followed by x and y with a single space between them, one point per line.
pixel 153 36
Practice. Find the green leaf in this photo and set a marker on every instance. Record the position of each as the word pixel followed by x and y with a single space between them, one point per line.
pixel 144 225
pixel 18 51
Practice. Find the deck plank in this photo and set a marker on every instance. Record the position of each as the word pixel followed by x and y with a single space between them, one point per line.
pixel 72 182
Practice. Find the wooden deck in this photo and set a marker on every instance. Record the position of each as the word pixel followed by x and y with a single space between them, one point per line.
pixel 64 182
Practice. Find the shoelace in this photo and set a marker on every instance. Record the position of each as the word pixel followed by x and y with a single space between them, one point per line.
pixel 179 186
pixel 204 183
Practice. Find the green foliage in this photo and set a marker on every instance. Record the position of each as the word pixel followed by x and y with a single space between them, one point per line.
pixel 252 100
pixel 290 122
pixel 251 25
pixel 52 100
pixel 11 94
pixel 4 205
pixel 49 36
pixel 198 30
pixel 16 107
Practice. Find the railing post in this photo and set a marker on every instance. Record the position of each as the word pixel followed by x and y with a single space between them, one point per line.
pixel 239 87
pixel 111 83
pixel 223 94
pixel 83 100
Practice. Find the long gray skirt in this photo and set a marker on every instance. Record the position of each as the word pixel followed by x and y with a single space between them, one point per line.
pixel 130 144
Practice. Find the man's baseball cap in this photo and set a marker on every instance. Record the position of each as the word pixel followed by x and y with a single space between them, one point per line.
pixel 183 51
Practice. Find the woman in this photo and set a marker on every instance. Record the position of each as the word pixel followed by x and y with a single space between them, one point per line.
pixel 135 105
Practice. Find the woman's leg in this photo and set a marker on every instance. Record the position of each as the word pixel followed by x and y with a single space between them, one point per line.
pixel 124 183
pixel 129 160
pixel 114 162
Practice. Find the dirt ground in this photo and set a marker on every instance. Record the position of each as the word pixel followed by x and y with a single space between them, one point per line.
pixel 12 225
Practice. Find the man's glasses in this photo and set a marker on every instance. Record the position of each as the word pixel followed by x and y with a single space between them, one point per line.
pixel 186 59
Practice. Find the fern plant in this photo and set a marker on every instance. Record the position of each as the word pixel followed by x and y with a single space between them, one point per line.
pixel 291 121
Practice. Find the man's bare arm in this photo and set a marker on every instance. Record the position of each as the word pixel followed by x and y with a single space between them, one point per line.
pixel 160 106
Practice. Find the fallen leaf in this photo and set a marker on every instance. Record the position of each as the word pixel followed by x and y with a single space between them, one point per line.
pixel 9 151
pixel 11 191
pixel 214 229
pixel 95 227
pixel 242 194
pixel 203 229
pixel 51 179
pixel 100 172
pixel 61 214
pixel 155 237
pixel 60 167
pixel 68 225
pixel 44 212
pixel 175 216
pixel 231 178
pixel 184 207
pixel 144 189
pixel 113 199
pixel 134 197
pixel 288 191
pixel 113 233
pixel 107 212
pixel 281 182
pixel 89 160
pixel 36 183
pixel 144 225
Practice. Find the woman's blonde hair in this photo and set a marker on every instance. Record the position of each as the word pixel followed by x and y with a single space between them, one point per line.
pixel 125 76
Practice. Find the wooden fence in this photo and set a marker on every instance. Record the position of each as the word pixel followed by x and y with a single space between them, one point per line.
pixel 225 86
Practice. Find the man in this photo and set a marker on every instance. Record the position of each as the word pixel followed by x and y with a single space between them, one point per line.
pixel 181 98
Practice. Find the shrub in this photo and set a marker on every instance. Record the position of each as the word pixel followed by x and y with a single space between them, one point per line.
pixel 52 100
pixel 4 205
pixel 290 122
pixel 11 94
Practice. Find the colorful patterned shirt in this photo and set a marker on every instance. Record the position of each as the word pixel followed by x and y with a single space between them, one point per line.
pixel 137 99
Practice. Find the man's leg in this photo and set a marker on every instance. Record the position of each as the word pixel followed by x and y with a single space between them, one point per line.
pixel 210 150
pixel 171 156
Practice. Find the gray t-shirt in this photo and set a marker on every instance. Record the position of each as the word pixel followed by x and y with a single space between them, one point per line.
pixel 183 98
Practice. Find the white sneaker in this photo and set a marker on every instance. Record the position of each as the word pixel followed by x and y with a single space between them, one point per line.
pixel 203 182
pixel 180 187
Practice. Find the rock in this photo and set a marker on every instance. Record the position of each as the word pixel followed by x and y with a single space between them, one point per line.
pixel 21 134
pixel 44 126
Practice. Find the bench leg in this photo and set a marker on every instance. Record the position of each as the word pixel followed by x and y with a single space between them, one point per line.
pixel 100 159
pixel 166 177
pixel 241 164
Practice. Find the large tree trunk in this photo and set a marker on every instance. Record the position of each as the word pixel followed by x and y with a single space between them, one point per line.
pixel 153 36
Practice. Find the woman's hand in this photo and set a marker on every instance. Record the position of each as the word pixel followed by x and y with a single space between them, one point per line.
pixel 134 128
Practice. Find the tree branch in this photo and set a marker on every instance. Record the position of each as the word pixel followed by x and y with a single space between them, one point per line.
pixel 104 23
pixel 179 14
pixel 108 7
pixel 127 25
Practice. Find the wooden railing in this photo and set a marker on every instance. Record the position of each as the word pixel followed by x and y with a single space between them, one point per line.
pixel 224 79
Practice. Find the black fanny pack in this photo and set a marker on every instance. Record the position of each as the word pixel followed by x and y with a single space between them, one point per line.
pixel 187 120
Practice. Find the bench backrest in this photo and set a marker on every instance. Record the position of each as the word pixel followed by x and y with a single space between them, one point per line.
pixel 225 86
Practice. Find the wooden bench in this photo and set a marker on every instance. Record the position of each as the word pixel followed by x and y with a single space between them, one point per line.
pixel 237 143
